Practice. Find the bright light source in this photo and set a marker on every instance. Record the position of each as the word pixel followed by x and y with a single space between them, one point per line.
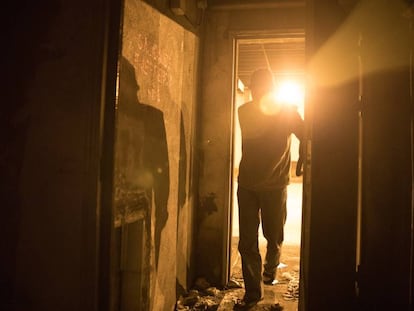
pixel 286 92
pixel 289 92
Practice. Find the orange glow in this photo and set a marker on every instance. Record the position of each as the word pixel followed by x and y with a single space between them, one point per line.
pixel 289 92
pixel 286 92
pixel 269 105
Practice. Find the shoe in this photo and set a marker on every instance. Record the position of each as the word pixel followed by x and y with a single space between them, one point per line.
pixel 269 279
pixel 244 305
pixel 276 307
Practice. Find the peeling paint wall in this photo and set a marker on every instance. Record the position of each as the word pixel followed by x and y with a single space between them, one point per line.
pixel 155 123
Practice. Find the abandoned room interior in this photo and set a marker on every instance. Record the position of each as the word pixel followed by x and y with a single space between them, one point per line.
pixel 121 145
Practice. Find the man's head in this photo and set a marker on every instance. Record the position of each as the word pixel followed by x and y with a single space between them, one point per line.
pixel 261 82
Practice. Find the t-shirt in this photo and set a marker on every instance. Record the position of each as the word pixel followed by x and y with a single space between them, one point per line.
pixel 265 162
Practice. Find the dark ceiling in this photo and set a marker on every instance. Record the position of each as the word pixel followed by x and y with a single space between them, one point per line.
pixel 285 56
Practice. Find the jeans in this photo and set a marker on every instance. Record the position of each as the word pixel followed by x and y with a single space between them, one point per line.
pixel 270 207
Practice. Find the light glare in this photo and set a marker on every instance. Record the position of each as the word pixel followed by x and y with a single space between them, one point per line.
pixel 289 92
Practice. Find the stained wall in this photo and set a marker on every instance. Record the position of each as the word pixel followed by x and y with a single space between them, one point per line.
pixel 61 128
pixel 154 150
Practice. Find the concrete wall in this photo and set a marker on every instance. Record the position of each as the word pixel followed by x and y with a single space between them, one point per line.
pixel 59 228
pixel 216 124
pixel 155 133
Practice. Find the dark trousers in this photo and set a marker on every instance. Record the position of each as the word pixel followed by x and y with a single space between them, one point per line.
pixel 270 208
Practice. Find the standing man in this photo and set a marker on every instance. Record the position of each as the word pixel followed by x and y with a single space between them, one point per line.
pixel 264 172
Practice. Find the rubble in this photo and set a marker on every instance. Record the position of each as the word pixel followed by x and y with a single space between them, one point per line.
pixel 204 298
pixel 292 291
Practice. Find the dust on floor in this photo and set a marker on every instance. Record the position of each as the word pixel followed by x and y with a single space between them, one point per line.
pixel 283 294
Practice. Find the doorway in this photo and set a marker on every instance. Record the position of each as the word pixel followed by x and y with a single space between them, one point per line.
pixel 284 55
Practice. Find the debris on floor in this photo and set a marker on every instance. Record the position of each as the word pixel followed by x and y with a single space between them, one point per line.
pixel 199 301
pixel 203 298
pixel 281 296
pixel 217 300
pixel 209 298
pixel 233 283
pixel 292 291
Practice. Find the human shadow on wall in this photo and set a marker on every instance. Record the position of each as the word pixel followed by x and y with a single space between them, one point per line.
pixel 182 228
pixel 148 167
pixel 182 169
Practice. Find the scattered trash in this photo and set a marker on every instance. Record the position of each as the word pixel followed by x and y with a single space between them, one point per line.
pixel 212 291
pixel 187 301
pixel 180 307
pixel 201 284
pixel 287 276
pixel 233 284
pixel 292 291
pixel 208 303
pixel 205 298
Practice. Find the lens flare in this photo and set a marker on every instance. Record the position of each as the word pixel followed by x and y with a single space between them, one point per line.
pixel 289 92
